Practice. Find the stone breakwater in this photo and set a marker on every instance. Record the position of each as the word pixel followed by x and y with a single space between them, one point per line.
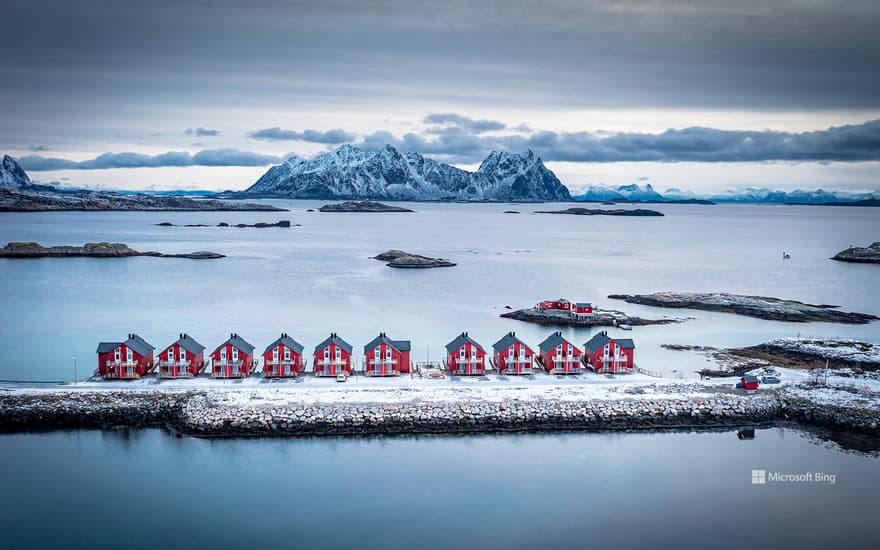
pixel 206 413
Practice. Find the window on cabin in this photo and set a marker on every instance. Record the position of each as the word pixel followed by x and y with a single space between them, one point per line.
pixel 223 353
pixel 171 354
pixel 117 355
pixel 461 353
pixel 129 356
pixel 275 354
pixel 235 354
pixel 287 354
pixel 559 350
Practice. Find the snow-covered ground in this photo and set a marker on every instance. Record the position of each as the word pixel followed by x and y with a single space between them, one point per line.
pixel 832 348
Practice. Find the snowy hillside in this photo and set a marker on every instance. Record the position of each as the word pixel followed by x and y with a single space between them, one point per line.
pixel 350 172
pixel 12 176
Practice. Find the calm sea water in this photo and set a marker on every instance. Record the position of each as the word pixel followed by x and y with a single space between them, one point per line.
pixel 146 489
pixel 310 280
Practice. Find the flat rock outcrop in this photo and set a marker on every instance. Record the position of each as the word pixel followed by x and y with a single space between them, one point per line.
pixel 362 206
pixel 762 307
pixel 259 225
pixel 406 260
pixel 863 255
pixel 599 318
pixel 580 211
pixel 93 250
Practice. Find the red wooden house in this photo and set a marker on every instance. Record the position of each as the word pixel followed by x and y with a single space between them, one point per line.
pixel 559 356
pixel 283 358
pixel 560 304
pixel 184 358
pixel 465 356
pixel 605 354
pixel 512 355
pixel 132 358
pixel 748 383
pixel 234 358
pixel 386 357
pixel 583 308
pixel 333 357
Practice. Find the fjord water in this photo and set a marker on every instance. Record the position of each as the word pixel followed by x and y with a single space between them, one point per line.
pixel 147 489
pixel 317 278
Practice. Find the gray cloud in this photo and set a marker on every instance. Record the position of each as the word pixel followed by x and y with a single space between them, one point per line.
pixel 206 157
pixel 465 123
pixel 314 136
pixel 856 142
pixel 203 132
pixel 37 148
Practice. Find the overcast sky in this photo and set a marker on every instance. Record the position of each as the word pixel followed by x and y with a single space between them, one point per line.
pixel 206 94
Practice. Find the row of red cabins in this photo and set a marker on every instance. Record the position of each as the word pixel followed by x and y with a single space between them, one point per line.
pixel 383 356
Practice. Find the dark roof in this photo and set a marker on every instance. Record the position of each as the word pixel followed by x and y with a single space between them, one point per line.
pixel 460 340
pixel 584 304
pixel 237 342
pixel 138 344
pixel 399 345
pixel 750 378
pixel 551 341
pixel 333 339
pixel 189 344
pixel 287 341
pixel 506 342
pixel 602 338
pixel 106 347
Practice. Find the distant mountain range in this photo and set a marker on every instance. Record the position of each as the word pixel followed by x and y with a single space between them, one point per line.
pixel 352 173
pixel 647 193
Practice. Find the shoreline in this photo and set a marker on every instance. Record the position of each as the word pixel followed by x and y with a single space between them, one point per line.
pixel 274 413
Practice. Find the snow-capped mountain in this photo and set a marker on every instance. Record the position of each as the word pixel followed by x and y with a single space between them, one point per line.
pixel 12 176
pixel 634 192
pixel 631 192
pixel 350 172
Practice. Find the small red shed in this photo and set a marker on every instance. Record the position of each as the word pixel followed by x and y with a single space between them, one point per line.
pixel 130 359
pixel 512 355
pixel 386 357
pixel 610 355
pixel 464 356
pixel 333 356
pixel 559 356
pixel 283 358
pixel 583 308
pixel 234 358
pixel 748 382
pixel 184 358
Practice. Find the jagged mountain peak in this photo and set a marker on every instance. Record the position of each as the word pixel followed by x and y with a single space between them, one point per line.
pixel 12 175
pixel 386 173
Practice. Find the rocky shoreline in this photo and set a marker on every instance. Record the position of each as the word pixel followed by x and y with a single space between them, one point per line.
pixel 580 211
pixel 258 225
pixel 862 255
pixel 212 414
pixel 761 307
pixel 362 206
pixel 92 250
pixel 407 260
pixel 599 318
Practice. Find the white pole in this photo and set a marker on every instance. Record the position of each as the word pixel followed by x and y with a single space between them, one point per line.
pixel 74 370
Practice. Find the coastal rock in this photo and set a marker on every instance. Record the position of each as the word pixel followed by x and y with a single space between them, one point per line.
pixel 94 250
pixel 867 255
pixel 579 211
pixel 362 206
pixel 282 223
pixel 599 318
pixel 401 259
pixel 762 307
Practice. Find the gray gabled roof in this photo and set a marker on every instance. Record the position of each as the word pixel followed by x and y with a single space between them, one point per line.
pixel 334 339
pixel 750 378
pixel 237 342
pixel 189 344
pixel 552 341
pixel 460 340
pixel 584 304
pixel 399 345
pixel 506 341
pixel 602 338
pixel 106 347
pixel 138 344
pixel 287 341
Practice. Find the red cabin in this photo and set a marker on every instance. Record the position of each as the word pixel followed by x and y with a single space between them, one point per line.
pixel 748 383
pixel 184 358
pixel 512 355
pixel 234 358
pixel 559 356
pixel 333 357
pixel 283 358
pixel 583 308
pixel 609 355
pixel 465 356
pixel 127 360
pixel 386 357
pixel 560 304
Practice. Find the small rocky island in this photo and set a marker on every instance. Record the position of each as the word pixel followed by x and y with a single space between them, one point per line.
pixel 762 307
pixel 94 250
pixel 259 225
pixel 362 206
pixel 599 318
pixel 580 211
pixel 406 260
pixel 857 254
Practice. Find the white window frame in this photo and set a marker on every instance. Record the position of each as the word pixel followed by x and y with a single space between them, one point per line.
pixel 286 353
pixel 235 354
pixel 129 355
